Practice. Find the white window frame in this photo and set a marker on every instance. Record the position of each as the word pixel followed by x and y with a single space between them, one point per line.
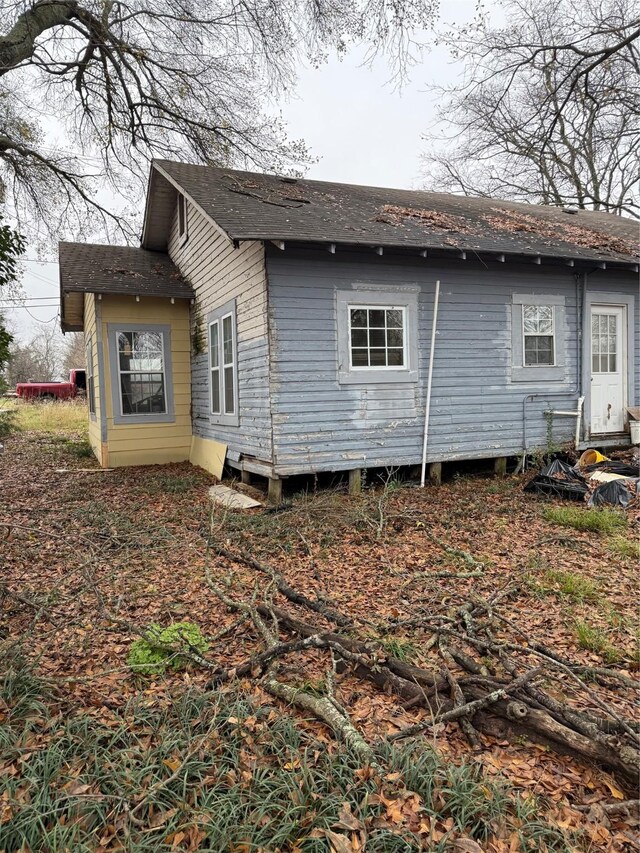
pixel 526 335
pixel 168 416
pixel 183 220
pixel 217 318
pixel 538 373
pixel 369 295
pixel 360 306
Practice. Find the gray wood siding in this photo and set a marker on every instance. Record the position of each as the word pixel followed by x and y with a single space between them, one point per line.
pixel 218 272
pixel 476 408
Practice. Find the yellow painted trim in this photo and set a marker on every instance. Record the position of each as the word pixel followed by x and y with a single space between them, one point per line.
pixel 208 454
pixel 160 456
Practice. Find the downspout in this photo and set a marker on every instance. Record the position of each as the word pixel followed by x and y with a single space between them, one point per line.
pixel 429 382
pixel 581 285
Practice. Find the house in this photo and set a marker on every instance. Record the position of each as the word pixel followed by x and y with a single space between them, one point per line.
pixel 284 325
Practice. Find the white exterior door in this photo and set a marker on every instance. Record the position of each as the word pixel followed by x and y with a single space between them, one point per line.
pixel 608 361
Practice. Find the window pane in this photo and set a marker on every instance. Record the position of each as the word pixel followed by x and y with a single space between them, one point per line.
pixel 612 363
pixel 215 391
pixel 604 363
pixel 214 346
pixel 227 340
pixel 595 344
pixel 358 337
pixel 394 337
pixel 142 393
pixel 595 363
pixel 612 324
pixel 229 395
pixel 358 317
pixel 377 338
pixel 538 349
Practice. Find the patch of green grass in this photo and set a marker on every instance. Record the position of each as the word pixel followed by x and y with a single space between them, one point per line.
pixel 242 774
pixel 52 417
pixel 572 585
pixel 7 421
pixel 168 483
pixel 623 547
pixel 398 647
pixel 595 640
pixel 598 520
pixel 82 449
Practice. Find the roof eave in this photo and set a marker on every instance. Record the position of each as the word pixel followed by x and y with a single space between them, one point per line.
pixel 561 257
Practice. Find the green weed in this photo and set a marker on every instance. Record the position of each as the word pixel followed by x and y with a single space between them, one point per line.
pixel 165 647
pixel 594 640
pixel 572 585
pixel 623 547
pixel 397 647
pixel 173 484
pixel 222 772
pixel 598 520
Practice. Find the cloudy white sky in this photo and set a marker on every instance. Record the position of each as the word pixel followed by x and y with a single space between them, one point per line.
pixel 359 126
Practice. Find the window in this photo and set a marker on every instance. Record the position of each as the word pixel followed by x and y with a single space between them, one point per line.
pixel 141 377
pixel 538 335
pixel 223 378
pixel 141 369
pixel 604 342
pixel 182 217
pixel 91 389
pixel 377 336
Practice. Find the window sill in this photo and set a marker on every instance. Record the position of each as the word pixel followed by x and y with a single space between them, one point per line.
pixel 126 420
pixel 224 420
pixel 538 374
pixel 376 377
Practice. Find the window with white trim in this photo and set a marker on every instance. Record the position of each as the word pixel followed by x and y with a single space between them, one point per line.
pixel 141 373
pixel 223 379
pixel 91 386
pixel 377 335
pixel 182 218
pixel 538 335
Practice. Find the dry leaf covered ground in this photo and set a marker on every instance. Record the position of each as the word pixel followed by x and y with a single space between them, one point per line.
pixel 88 557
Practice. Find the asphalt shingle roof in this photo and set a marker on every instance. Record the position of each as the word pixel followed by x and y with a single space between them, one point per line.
pixel 253 206
pixel 96 268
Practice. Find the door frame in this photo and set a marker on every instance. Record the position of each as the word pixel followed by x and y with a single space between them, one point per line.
pixel 613 300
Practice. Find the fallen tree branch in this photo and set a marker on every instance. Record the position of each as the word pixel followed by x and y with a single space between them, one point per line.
pixel 330 713
pixel 468 709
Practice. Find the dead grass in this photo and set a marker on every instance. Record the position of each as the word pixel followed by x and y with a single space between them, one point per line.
pixel 53 417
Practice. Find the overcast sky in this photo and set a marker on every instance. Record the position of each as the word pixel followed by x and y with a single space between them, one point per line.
pixel 360 127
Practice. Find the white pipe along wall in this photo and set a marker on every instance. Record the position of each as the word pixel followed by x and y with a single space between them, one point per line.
pixel 429 381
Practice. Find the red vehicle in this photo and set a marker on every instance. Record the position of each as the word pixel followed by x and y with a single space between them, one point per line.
pixel 76 385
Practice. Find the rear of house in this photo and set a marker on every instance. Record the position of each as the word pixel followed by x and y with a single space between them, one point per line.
pixel 285 326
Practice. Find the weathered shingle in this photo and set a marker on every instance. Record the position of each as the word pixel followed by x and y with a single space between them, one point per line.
pixel 249 205
pixel 95 268
pixel 123 270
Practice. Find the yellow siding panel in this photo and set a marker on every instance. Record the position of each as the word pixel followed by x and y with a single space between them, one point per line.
pixel 208 454
pixel 153 443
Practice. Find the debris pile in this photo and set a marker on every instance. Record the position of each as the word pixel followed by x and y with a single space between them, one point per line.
pixel 604 482
pixel 578 235
pixel 392 214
